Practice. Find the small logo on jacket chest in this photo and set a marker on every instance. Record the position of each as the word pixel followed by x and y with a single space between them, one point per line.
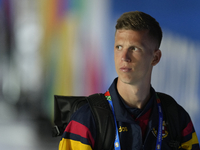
pixel 123 129
pixel 164 131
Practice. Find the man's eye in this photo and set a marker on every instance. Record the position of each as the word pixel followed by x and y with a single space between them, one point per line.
pixel 119 47
pixel 134 48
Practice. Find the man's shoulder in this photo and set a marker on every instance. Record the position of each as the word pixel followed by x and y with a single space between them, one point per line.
pixel 169 102
pixel 82 114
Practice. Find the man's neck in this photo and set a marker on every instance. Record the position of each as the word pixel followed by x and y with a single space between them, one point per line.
pixel 135 96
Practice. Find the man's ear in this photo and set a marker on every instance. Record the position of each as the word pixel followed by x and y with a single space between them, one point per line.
pixel 157 56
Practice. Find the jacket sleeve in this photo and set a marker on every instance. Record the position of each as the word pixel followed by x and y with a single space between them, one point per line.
pixel 80 132
pixel 189 140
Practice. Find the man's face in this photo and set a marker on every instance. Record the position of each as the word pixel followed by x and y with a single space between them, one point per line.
pixel 134 53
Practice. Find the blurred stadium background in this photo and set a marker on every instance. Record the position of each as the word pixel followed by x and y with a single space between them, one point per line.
pixel 65 47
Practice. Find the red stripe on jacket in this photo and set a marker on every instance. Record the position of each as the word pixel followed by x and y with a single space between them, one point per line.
pixel 188 129
pixel 79 129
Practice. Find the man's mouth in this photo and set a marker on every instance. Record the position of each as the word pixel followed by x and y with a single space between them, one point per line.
pixel 125 69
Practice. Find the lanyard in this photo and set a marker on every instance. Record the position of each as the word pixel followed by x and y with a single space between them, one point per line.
pixel 117 142
pixel 159 134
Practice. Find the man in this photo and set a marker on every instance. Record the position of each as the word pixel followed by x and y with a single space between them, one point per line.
pixel 135 103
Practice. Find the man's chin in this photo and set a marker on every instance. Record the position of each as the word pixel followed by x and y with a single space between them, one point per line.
pixel 125 80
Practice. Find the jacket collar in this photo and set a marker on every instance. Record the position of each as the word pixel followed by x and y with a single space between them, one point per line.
pixel 121 112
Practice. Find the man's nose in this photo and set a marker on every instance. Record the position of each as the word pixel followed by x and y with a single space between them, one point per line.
pixel 126 56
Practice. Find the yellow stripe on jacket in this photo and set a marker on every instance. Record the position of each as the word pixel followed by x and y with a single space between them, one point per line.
pixel 188 145
pixel 68 144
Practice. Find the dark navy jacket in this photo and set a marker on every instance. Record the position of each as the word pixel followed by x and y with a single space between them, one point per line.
pixel 137 128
